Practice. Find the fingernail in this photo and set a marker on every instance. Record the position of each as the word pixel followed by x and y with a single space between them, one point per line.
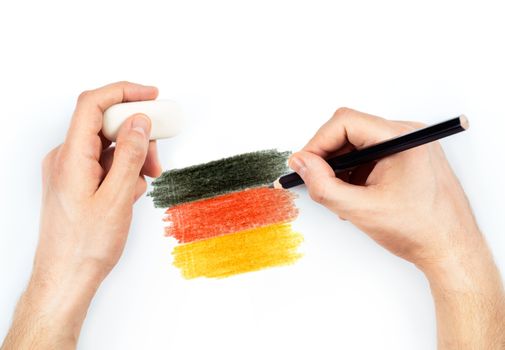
pixel 140 124
pixel 297 165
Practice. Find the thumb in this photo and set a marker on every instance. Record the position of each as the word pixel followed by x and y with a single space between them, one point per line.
pixel 129 157
pixel 324 187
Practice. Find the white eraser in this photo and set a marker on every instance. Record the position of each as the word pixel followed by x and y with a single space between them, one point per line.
pixel 165 115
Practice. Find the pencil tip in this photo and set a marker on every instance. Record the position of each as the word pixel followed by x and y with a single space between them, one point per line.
pixel 465 124
pixel 276 184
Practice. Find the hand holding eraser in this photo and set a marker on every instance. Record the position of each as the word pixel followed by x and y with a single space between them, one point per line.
pixel 165 115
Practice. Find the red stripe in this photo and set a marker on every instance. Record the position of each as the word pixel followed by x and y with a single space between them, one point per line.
pixel 230 213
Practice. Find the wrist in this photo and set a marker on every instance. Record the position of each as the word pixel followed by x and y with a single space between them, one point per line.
pixel 468 296
pixel 59 299
pixel 40 319
pixel 467 268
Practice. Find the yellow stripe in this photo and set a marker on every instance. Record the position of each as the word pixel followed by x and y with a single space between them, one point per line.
pixel 239 252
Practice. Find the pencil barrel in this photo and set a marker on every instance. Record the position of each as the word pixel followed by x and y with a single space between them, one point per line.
pixel 386 148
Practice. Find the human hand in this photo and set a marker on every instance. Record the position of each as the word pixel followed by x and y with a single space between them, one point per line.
pixel 411 203
pixel 89 189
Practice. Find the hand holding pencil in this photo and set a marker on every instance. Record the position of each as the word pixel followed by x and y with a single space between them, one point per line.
pixel 397 200
pixel 412 204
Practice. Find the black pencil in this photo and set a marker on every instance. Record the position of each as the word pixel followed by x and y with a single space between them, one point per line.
pixel 348 161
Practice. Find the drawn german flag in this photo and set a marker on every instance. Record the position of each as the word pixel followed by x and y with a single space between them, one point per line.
pixel 225 219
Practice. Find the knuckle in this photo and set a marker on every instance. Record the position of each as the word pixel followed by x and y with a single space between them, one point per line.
pixel 402 128
pixel 422 152
pixel 60 166
pixel 84 96
pixel 64 165
pixel 123 82
pixel 46 167
pixel 411 126
pixel 319 193
pixel 49 159
pixel 62 158
pixel 341 112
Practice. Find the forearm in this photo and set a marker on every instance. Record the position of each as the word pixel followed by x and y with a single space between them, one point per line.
pixel 50 313
pixel 469 300
pixel 32 329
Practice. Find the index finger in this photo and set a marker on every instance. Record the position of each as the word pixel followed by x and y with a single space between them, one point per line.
pixel 88 115
pixel 350 126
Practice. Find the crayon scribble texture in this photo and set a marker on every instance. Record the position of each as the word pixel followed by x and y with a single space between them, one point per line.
pixel 218 177
pixel 225 219
pixel 239 252
pixel 231 212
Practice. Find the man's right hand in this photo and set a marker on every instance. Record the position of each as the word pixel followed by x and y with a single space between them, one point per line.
pixel 413 205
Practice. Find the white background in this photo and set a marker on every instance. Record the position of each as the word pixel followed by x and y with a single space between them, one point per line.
pixel 252 75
